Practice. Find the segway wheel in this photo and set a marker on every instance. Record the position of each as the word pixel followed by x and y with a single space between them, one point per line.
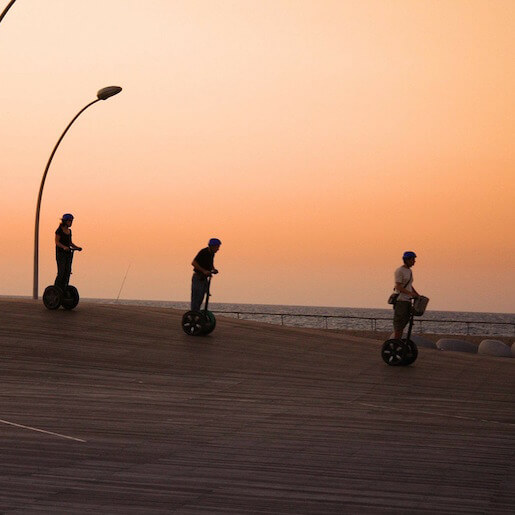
pixel 70 297
pixel 411 353
pixel 393 352
pixel 52 297
pixel 210 322
pixel 193 323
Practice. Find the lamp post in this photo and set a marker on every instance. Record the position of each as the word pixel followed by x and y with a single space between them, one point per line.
pixel 4 12
pixel 102 94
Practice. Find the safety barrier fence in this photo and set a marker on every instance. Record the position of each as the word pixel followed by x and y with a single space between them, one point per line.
pixel 373 323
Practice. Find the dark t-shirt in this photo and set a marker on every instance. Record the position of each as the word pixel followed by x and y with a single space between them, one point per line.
pixel 64 239
pixel 205 259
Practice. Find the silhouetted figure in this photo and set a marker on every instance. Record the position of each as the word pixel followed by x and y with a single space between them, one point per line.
pixel 404 287
pixel 203 267
pixel 63 251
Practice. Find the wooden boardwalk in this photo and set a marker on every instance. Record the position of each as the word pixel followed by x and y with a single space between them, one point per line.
pixel 118 411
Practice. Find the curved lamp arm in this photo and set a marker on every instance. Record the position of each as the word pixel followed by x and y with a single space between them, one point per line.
pixel 52 156
pixel 4 12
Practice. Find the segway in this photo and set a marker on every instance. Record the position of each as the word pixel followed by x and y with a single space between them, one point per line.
pixel 199 323
pixel 403 351
pixel 54 296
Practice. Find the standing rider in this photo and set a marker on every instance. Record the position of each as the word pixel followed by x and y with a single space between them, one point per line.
pixel 404 286
pixel 203 267
pixel 63 251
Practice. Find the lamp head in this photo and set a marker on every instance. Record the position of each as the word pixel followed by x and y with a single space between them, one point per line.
pixel 105 93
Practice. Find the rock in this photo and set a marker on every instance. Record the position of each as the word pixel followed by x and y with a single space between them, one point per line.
pixel 419 341
pixel 455 345
pixel 494 348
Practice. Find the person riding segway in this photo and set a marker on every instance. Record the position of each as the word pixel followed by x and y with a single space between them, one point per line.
pixel 197 321
pixel 407 303
pixel 61 292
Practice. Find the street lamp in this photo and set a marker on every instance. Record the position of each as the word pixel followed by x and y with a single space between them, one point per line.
pixel 4 12
pixel 102 94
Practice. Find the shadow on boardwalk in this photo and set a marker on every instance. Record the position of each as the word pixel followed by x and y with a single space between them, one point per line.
pixel 118 411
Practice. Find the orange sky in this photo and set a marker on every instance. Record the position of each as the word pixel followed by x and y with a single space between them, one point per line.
pixel 318 140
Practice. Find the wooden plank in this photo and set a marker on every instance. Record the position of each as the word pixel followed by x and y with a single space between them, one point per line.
pixel 254 418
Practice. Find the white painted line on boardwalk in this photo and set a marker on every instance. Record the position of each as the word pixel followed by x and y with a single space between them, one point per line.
pixel 434 414
pixel 41 430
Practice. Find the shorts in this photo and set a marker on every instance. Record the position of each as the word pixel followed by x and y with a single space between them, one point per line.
pixel 401 314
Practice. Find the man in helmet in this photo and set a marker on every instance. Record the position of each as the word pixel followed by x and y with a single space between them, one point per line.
pixel 203 267
pixel 404 287
pixel 63 251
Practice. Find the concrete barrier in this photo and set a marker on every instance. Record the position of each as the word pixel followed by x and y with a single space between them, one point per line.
pixel 455 345
pixel 419 341
pixel 494 348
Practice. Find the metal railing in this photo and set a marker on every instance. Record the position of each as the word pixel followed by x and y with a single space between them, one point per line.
pixel 373 320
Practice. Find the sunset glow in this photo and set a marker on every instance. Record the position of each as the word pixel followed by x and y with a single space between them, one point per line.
pixel 317 140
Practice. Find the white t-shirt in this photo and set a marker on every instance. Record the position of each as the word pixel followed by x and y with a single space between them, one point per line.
pixel 404 275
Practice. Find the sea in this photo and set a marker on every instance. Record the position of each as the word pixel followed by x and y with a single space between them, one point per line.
pixel 433 322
